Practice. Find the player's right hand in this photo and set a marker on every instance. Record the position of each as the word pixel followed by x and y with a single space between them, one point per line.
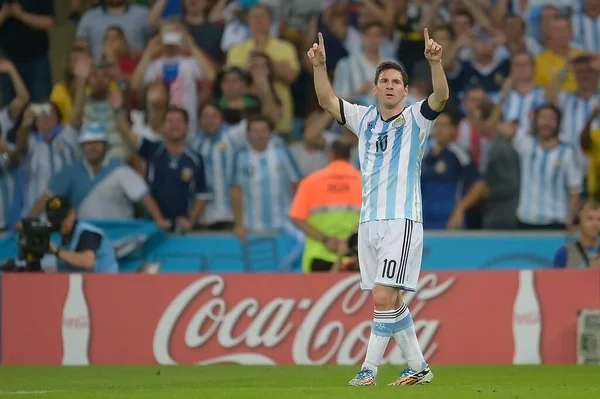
pixel 316 54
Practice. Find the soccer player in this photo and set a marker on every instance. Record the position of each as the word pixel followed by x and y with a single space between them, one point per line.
pixel 392 140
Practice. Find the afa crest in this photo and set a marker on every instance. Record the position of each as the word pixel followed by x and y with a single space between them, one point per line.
pixel 186 175
pixel 55 203
pixel 399 122
pixel 440 167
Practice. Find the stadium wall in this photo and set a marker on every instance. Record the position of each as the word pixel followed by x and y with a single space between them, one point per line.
pixel 137 241
pixel 465 317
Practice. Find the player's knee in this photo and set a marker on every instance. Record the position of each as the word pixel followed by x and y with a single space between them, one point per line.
pixel 384 298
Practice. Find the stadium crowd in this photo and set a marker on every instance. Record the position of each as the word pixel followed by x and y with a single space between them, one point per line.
pixel 201 114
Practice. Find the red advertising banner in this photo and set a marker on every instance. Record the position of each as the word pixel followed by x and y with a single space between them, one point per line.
pixel 485 317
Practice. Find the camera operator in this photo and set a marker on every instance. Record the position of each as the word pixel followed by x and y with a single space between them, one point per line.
pixel 84 247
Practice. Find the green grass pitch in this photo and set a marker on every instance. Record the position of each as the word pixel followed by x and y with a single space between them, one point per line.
pixel 291 382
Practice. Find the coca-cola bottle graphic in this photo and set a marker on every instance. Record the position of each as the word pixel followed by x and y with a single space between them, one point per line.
pixel 75 324
pixel 527 321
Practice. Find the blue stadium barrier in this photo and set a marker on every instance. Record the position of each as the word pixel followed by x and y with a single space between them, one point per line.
pixel 141 241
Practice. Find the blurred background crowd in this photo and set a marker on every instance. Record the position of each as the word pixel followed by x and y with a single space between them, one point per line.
pixel 201 114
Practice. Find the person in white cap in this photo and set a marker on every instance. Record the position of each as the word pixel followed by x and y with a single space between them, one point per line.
pixel 99 187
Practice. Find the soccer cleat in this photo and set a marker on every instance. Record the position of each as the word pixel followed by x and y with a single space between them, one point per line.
pixel 408 376
pixel 364 378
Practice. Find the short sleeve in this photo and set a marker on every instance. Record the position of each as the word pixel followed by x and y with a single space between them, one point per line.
pixel 60 183
pixel 424 115
pixel 147 148
pixel 89 241
pixel 574 173
pixel 200 186
pixel 300 208
pixel 560 258
pixel 291 166
pixel 352 115
pixel 132 184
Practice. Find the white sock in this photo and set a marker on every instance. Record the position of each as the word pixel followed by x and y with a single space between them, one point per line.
pixel 406 338
pixel 381 332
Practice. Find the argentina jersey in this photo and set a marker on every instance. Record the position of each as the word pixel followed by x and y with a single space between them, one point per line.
pixel 518 106
pixel 586 31
pixel 548 177
pixel 576 110
pixel 390 154
pixel 267 179
pixel 217 153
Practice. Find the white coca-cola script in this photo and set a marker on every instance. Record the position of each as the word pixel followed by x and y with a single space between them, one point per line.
pixel 271 324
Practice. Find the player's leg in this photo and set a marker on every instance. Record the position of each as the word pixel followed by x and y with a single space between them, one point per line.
pixel 417 370
pixel 381 332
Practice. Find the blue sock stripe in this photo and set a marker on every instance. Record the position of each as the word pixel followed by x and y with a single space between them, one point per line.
pixel 403 324
pixel 383 329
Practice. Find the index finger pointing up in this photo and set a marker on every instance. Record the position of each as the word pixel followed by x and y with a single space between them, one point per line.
pixel 426 34
pixel 321 41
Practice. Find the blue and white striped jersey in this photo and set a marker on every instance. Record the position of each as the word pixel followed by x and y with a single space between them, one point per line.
pixel 217 153
pixel 586 31
pixel 517 107
pixel 390 154
pixel 576 111
pixel 266 179
pixel 548 177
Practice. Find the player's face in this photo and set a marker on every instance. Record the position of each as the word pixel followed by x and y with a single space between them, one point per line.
pixel 390 89
pixel 546 124
pixel 259 133
pixel 444 130
pixel 522 68
pixel 210 119
pixel 175 126
pixel 94 151
pixel 589 222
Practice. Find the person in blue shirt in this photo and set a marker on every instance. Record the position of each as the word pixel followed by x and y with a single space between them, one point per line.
pixel 447 173
pixel 83 247
pixel 585 252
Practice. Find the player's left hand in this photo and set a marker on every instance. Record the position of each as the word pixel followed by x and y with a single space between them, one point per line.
pixel 433 51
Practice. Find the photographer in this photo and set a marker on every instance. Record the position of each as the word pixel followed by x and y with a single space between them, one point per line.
pixel 84 247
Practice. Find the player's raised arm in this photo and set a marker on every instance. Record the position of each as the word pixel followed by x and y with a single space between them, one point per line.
pixel 327 98
pixel 441 92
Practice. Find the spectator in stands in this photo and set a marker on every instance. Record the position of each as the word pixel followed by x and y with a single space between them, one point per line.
pixel 523 96
pixel 49 145
pixel 131 18
pixel 236 23
pixel 178 69
pixel 311 154
pixel 585 252
pixel 353 74
pixel 498 190
pixel 201 19
pixel 149 122
pixel 516 40
pixel 116 53
pixel 551 182
pixel 587 26
pixel 217 148
pixel 552 63
pixel 24 27
pixel 341 39
pixel 282 54
pixel 590 144
pixel 100 187
pixel 264 179
pixel 470 135
pixel 263 86
pixel 9 157
pixel 83 247
pixel 235 102
pixel 576 106
pixel 326 208
pixel 486 68
pixel 175 174
pixel 447 174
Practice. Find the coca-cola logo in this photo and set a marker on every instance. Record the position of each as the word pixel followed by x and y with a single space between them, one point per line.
pixel 527 318
pixel 320 336
pixel 76 322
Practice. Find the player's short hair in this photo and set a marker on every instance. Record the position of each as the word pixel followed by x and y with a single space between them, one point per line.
pixel 386 65
pixel 340 149
pixel 257 118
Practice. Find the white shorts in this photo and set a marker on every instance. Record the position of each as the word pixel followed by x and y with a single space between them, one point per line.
pixel 390 253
